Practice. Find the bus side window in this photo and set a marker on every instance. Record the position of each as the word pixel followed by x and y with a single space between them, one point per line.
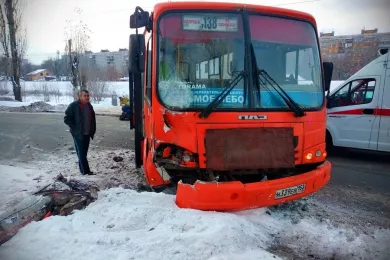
pixel 149 71
pixel 291 67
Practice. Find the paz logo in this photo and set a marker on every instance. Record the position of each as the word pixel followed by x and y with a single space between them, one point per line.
pixel 252 117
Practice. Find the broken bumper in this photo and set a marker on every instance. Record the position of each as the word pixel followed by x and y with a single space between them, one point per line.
pixel 229 196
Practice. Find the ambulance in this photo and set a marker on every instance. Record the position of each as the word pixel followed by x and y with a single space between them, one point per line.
pixel 358 110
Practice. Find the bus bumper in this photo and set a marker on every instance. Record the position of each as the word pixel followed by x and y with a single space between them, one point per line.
pixel 231 196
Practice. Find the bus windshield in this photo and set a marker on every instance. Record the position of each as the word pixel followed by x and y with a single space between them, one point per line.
pixel 199 54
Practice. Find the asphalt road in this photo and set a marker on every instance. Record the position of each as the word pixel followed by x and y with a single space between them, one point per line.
pixel 46 132
pixel 359 179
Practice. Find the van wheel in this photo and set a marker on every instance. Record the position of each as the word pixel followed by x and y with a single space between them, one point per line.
pixel 329 143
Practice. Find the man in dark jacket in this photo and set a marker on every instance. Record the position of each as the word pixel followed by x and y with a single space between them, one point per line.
pixel 80 117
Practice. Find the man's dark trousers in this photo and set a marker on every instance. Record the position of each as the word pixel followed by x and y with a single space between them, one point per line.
pixel 82 145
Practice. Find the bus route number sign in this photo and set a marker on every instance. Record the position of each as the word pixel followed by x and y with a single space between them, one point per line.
pixel 209 23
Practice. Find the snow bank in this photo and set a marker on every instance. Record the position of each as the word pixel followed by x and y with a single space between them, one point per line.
pixel 33 107
pixel 14 103
pixel 124 224
pixel 103 107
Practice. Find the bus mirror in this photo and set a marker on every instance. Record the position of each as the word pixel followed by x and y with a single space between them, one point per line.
pixel 137 53
pixel 139 19
pixel 328 71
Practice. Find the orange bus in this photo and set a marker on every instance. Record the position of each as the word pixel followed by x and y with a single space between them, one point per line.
pixel 228 103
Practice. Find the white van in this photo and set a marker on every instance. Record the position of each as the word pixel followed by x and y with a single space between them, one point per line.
pixel 358 111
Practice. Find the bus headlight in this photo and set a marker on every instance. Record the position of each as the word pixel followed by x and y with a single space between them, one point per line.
pixel 186 158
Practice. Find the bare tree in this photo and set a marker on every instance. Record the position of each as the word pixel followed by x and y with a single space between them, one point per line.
pixel 4 39
pixel 48 65
pixel 97 84
pixel 112 73
pixel 28 67
pixel 13 40
pixel 77 43
pixel 125 71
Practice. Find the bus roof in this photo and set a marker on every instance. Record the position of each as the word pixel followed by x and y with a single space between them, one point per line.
pixel 159 8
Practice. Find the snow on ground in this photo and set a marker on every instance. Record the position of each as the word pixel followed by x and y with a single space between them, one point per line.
pixel 16 184
pixel 21 180
pixel 14 103
pixel 109 173
pixel 125 224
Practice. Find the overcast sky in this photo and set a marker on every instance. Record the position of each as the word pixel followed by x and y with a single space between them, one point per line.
pixel 108 20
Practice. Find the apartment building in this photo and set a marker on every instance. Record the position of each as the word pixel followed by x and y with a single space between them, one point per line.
pixel 350 53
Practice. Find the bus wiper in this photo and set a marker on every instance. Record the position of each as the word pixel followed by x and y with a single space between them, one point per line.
pixel 221 96
pixel 256 80
pixel 289 101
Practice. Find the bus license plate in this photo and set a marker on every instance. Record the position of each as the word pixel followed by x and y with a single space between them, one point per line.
pixel 282 193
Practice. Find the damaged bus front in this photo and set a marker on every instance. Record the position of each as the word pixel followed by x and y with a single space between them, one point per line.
pixel 229 103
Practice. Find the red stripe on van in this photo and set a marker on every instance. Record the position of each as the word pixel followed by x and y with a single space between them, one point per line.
pixel 378 112
pixel 383 111
pixel 348 112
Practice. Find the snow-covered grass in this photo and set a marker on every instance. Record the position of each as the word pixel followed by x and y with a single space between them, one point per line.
pixel 65 87
pixel 124 224
pixel 57 93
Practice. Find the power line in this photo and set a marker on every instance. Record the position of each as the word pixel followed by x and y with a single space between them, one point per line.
pixel 114 11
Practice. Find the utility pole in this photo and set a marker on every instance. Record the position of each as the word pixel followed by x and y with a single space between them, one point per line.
pixel 70 51
pixel 57 65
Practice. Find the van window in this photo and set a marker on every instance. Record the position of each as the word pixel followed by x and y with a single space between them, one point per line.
pixel 356 92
